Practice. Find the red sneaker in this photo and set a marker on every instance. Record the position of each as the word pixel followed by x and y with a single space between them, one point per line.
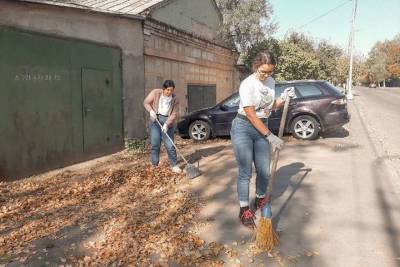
pixel 246 216
pixel 260 202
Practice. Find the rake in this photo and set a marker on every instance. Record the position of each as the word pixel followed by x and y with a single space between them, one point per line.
pixel 191 170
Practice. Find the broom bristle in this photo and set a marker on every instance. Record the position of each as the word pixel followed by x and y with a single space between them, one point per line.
pixel 266 238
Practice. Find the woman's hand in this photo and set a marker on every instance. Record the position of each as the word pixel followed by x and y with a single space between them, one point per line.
pixel 275 141
pixel 257 123
pixel 288 93
pixel 153 115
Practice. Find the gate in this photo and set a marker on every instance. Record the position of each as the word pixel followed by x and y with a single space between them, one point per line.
pixel 201 96
pixel 60 102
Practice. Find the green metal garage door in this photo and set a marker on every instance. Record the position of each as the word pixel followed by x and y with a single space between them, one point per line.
pixel 201 96
pixel 60 102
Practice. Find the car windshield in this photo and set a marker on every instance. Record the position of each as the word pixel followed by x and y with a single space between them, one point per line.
pixel 335 90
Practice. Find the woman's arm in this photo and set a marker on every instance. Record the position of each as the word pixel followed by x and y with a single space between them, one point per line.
pixel 174 113
pixel 278 103
pixel 257 123
pixel 148 101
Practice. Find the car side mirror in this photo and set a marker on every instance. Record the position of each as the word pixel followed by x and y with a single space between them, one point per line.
pixel 223 107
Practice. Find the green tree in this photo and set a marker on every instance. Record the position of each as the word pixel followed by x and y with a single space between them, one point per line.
pixel 271 45
pixel 246 22
pixel 329 56
pixel 378 63
pixel 393 52
pixel 301 40
pixel 297 64
pixel 342 69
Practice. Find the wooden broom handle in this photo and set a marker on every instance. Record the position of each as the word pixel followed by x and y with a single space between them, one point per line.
pixel 275 154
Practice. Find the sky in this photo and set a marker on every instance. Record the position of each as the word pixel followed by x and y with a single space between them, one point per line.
pixel 375 20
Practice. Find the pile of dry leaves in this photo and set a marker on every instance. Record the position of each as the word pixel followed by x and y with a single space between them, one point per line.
pixel 118 213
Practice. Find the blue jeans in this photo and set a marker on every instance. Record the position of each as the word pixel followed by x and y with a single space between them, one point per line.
pixel 250 146
pixel 156 135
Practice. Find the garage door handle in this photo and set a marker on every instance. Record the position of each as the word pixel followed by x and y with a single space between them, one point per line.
pixel 87 110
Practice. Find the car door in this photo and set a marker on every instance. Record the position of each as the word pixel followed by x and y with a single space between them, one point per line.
pixel 223 114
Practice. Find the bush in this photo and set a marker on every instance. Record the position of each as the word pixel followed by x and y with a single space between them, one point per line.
pixel 136 145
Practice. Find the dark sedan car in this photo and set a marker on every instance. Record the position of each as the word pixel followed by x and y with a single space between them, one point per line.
pixel 317 107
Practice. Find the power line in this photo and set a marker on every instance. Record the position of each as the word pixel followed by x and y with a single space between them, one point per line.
pixel 323 15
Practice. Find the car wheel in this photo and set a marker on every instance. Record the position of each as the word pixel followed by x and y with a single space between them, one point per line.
pixel 199 130
pixel 305 127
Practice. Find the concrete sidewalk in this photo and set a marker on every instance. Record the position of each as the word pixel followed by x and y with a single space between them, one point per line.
pixel 330 205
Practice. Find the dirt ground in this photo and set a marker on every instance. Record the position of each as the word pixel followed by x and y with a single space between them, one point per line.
pixel 115 210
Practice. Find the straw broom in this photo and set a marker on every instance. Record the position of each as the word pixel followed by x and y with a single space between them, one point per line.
pixel 266 237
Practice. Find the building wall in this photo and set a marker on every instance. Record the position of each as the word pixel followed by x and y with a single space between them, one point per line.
pixel 124 33
pixel 200 17
pixel 172 54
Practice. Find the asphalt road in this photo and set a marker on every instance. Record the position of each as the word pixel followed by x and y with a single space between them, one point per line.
pixel 380 109
pixel 336 200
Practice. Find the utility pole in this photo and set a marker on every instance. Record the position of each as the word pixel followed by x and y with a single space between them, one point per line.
pixel 350 79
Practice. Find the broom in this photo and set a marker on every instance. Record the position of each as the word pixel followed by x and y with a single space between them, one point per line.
pixel 266 237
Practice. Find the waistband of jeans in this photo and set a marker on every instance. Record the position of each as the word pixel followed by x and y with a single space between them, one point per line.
pixel 243 117
pixel 159 115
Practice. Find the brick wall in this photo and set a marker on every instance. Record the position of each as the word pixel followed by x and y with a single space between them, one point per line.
pixel 186 59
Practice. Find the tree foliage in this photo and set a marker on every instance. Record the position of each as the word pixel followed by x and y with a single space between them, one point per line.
pixel 300 57
pixel 329 56
pixel 384 61
pixel 271 45
pixel 393 52
pixel 298 64
pixel 377 62
pixel 301 40
pixel 246 22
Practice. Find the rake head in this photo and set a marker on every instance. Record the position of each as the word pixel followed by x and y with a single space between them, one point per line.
pixel 192 171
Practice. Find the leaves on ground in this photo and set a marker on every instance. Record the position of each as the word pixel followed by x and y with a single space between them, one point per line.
pixel 125 211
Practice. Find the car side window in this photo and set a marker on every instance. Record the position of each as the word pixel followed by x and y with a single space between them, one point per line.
pixel 280 88
pixel 279 91
pixel 308 90
pixel 232 102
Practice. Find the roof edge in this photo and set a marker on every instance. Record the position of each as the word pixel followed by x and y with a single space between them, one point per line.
pixel 148 10
pixel 193 35
pixel 166 2
pixel 81 7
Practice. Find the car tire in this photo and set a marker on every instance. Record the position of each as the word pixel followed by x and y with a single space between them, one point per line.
pixel 305 127
pixel 199 130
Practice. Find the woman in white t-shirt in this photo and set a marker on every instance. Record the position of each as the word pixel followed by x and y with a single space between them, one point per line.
pixel 163 105
pixel 251 139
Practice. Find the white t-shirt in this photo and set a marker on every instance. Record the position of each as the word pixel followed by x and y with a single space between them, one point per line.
pixel 164 105
pixel 256 93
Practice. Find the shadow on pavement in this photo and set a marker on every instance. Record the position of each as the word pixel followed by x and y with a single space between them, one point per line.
pixel 387 210
pixel 336 133
pixel 204 152
pixel 282 185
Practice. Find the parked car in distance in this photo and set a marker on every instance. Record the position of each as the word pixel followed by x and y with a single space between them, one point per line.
pixel 317 107
pixel 372 85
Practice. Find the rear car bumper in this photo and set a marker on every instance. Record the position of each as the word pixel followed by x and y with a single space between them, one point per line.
pixel 336 119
